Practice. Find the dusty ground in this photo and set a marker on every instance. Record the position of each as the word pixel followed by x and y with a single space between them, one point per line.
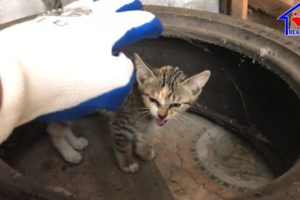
pixel 98 176
pixel 174 174
pixel 211 178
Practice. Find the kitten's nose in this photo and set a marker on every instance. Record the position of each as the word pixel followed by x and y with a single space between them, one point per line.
pixel 161 116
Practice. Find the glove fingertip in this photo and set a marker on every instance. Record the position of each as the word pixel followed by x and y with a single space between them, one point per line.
pixel 134 5
pixel 152 29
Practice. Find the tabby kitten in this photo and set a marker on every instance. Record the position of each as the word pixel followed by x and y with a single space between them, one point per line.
pixel 158 96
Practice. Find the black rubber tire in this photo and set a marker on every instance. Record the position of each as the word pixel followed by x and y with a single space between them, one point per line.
pixel 268 46
pixel 280 54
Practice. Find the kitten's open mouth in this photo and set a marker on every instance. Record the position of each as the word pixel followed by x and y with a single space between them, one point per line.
pixel 161 122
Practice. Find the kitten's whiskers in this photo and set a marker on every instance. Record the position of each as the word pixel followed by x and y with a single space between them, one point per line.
pixel 143 115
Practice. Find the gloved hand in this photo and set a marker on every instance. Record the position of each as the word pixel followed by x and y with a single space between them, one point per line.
pixel 68 63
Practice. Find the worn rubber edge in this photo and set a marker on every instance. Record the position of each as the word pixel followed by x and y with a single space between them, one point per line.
pixel 247 38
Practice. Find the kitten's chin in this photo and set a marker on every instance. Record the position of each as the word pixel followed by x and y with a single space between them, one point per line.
pixel 160 122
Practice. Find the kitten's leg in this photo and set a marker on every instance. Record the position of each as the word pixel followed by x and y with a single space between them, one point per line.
pixel 125 159
pixel 56 132
pixel 142 148
pixel 123 150
pixel 78 143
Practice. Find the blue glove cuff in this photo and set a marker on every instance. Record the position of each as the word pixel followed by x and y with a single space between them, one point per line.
pixel 111 100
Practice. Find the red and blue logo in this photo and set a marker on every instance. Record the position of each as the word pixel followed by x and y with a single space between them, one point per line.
pixel 292 21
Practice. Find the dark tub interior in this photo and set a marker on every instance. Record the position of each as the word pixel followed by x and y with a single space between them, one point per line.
pixel 239 88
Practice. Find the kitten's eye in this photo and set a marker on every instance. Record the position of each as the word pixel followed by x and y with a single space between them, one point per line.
pixel 175 105
pixel 154 101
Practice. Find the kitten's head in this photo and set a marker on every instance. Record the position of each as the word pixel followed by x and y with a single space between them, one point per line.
pixel 166 91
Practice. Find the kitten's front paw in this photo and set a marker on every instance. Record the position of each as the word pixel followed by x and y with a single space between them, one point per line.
pixel 80 143
pixel 145 152
pixel 73 158
pixel 152 155
pixel 147 156
pixel 131 168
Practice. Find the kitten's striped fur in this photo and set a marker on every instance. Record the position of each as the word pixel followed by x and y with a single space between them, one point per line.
pixel 158 96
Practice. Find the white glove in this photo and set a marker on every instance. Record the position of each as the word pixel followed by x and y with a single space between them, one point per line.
pixel 63 64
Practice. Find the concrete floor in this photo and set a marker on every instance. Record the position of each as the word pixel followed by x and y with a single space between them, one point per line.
pixel 231 168
pixel 97 177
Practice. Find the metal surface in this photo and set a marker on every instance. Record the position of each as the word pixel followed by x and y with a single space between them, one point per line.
pixel 206 5
pixel 15 9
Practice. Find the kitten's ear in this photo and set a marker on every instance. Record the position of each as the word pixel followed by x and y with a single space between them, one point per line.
pixel 144 75
pixel 197 82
